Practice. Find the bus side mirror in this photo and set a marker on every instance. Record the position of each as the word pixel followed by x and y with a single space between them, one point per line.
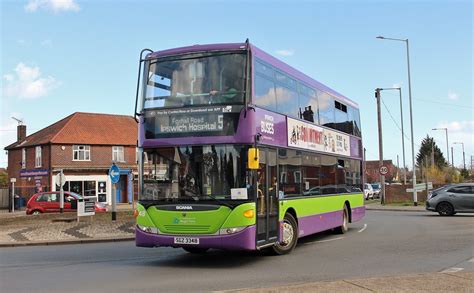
pixel 253 158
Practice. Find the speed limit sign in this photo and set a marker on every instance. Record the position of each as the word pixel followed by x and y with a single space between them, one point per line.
pixel 383 170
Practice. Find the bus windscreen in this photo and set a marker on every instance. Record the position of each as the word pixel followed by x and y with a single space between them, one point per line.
pixel 195 173
pixel 195 80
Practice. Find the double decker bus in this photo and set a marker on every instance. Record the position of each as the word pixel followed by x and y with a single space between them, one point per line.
pixel 240 151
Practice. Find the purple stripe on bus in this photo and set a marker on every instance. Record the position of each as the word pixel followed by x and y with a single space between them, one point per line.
pixel 358 213
pixel 244 240
pixel 318 223
pixel 271 126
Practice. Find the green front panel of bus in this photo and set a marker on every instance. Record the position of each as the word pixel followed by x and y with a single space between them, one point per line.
pixel 320 204
pixel 198 222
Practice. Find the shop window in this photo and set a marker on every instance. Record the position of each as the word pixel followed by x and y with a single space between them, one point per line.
pixel 76 186
pixel 89 188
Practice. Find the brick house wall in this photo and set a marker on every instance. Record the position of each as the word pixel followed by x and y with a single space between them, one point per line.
pixel 26 186
pixel 100 156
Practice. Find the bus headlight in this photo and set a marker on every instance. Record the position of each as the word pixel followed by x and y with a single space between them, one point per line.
pixel 227 231
pixel 151 230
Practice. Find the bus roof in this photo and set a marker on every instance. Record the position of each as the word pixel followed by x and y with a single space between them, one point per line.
pixel 260 54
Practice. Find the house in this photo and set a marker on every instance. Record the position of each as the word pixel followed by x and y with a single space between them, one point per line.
pixel 84 146
pixel 372 171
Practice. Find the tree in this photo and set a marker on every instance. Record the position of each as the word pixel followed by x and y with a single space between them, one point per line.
pixel 428 153
pixel 3 179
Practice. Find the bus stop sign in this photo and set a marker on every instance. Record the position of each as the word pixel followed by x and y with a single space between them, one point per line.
pixel 114 173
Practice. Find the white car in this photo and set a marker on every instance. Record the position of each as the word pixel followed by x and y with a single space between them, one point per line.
pixel 368 191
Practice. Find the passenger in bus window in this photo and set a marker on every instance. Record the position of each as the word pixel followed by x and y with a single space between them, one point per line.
pixel 226 95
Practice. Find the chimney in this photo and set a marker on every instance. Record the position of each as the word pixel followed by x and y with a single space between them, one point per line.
pixel 21 132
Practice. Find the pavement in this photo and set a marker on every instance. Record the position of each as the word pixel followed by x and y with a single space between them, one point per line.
pixel 19 229
pixel 376 206
pixel 428 282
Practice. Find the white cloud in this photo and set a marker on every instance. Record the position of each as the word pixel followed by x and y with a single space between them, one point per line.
pixel 453 96
pixel 28 83
pixel 54 5
pixel 285 52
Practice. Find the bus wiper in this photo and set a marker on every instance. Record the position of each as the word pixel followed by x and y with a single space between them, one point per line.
pixel 219 201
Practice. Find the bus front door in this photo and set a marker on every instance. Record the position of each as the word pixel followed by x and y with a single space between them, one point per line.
pixel 267 199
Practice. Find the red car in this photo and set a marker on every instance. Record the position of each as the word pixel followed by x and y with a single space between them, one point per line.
pixel 48 202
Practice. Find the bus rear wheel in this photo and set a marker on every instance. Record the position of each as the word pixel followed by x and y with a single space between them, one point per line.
pixel 290 236
pixel 345 222
pixel 196 250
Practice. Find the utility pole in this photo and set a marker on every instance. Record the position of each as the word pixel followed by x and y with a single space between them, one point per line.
pixel 452 157
pixel 379 123
pixel 432 153
pixel 398 169
pixel 364 170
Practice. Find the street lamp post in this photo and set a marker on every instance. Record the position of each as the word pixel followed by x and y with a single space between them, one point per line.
pixel 415 200
pixel 447 143
pixel 403 133
pixel 463 154
pixel 379 123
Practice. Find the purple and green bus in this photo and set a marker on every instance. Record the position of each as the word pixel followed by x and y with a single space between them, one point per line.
pixel 240 151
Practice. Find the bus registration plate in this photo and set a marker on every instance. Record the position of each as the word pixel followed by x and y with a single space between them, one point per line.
pixel 186 240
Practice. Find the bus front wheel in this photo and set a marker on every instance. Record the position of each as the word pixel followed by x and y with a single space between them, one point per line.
pixel 289 237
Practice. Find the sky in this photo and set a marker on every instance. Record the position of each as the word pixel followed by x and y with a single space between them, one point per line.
pixel 63 56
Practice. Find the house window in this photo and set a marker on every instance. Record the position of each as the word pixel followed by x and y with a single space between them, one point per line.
pixel 117 154
pixel 23 158
pixel 38 157
pixel 81 153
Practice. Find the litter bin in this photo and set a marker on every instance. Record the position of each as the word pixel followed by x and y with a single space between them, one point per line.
pixel 22 202
pixel 17 202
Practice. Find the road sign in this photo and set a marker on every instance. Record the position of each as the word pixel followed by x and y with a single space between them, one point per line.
pixel 60 180
pixel 86 206
pixel 421 187
pixel 383 170
pixel 12 180
pixel 114 173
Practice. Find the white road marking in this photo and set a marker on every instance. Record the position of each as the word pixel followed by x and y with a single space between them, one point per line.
pixel 452 270
pixel 361 230
pixel 327 240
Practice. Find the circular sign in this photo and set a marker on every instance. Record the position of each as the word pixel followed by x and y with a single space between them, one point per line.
pixel 114 173
pixel 383 170
pixel 60 180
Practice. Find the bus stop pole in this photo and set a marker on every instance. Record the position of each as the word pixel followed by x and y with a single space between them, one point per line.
pixel 114 206
pixel 13 197
pixel 61 192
